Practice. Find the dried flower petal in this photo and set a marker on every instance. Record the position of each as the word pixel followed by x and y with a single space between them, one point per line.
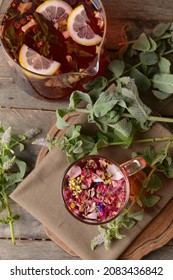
pixel 92 196
pixel 74 171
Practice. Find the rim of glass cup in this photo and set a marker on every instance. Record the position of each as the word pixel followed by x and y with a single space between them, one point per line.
pixel 85 72
pixel 89 221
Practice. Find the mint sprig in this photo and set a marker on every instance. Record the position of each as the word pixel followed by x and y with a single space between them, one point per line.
pixel 152 67
pixel 12 171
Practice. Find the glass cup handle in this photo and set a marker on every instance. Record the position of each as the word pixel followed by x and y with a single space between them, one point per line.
pixel 134 165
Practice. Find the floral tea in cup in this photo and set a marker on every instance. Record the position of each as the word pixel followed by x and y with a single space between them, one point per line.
pixel 53 44
pixel 96 190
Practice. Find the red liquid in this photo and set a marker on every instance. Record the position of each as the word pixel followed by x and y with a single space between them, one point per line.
pixel 47 38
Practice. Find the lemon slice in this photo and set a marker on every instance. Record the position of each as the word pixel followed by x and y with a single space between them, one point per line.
pixel 79 29
pixel 57 12
pixel 33 61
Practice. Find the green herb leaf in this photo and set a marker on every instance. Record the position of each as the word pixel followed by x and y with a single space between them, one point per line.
pixel 142 43
pixel 137 216
pixel 77 97
pixel 123 129
pixel 153 184
pixel 163 82
pixel 164 65
pixel 160 29
pixel 117 67
pixel 149 58
pixel 142 82
pixel 104 104
pixel 160 94
pixel 61 123
pixel 150 200
pixel 99 83
pixel 136 107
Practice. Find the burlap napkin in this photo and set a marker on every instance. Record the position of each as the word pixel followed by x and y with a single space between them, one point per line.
pixel 40 195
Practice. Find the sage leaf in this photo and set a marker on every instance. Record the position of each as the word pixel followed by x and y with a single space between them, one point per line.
pixel 160 94
pixel 104 104
pixel 163 82
pixel 123 129
pixel 60 122
pixel 160 29
pixel 22 167
pixel 78 96
pixel 149 58
pixel 142 82
pixel 142 43
pixel 137 216
pixel 153 45
pixel 129 223
pixel 164 65
pixel 136 107
pixel 99 83
pixel 150 200
pixel 154 184
pixel 117 67
pixel 161 47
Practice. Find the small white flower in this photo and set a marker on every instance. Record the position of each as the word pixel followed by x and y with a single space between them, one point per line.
pixel 41 142
pixel 6 137
pixel 8 164
pixel 31 133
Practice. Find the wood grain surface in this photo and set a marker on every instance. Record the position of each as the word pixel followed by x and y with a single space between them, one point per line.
pixel 22 111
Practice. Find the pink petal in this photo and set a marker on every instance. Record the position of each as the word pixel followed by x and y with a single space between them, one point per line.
pixel 116 173
pixel 92 216
pixel 74 171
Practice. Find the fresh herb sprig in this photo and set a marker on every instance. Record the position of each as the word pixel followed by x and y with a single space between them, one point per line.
pixel 147 60
pixel 143 189
pixel 12 171
pixel 117 112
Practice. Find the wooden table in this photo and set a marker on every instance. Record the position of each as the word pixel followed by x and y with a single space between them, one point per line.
pixel 22 112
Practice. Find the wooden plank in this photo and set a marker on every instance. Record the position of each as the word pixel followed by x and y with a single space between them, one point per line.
pixel 32 250
pixel 138 9
pixel 26 227
pixel 21 121
pixel 164 253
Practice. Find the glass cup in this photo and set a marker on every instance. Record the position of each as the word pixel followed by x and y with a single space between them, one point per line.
pixel 60 84
pixel 95 189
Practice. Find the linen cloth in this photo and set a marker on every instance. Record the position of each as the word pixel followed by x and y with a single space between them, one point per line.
pixel 40 195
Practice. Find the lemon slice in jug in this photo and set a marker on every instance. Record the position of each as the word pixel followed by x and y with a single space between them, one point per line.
pixel 33 61
pixel 57 12
pixel 79 29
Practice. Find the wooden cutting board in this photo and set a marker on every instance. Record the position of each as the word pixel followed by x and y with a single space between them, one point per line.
pixel 153 237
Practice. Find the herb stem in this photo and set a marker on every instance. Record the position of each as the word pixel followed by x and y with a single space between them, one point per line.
pixel 147 140
pixel 168 52
pixel 151 118
pixel 82 110
pixel 125 72
pixel 10 218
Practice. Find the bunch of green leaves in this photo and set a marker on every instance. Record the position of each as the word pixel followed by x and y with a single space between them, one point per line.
pixel 12 171
pixel 146 59
pixel 158 162
pixel 117 112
